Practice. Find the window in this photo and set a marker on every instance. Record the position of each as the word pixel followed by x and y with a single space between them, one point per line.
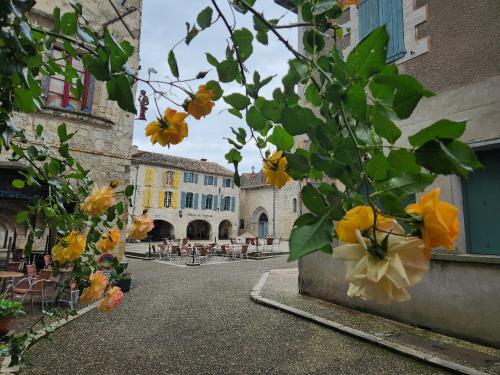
pixel 189 200
pixel 190 177
pixel 226 204
pixel 375 13
pixel 169 178
pixel 168 199
pixel 209 180
pixel 242 224
pixel 58 90
pixel 209 202
pixel 294 204
pixel 226 182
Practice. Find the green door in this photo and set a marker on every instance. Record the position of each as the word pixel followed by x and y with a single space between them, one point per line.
pixel 481 194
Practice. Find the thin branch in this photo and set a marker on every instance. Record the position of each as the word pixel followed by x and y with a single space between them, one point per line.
pixel 292 25
pixel 121 18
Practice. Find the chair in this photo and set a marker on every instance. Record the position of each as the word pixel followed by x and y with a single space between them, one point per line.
pixel 15 266
pixel 161 251
pixel 70 295
pixel 203 254
pixel 43 288
pixel 269 243
pixel 244 251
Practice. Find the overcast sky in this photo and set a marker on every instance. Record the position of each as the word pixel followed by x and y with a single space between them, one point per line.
pixel 163 24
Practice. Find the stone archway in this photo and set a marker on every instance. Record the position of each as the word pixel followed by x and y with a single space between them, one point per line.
pixel 199 230
pixel 260 222
pixel 225 230
pixel 162 230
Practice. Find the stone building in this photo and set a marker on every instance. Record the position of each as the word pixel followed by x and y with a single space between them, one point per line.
pixel 186 198
pixel 452 47
pixel 104 137
pixel 265 210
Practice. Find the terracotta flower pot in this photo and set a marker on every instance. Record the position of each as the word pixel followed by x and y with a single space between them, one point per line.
pixel 5 324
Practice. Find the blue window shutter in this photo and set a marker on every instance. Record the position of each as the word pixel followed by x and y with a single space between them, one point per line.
pixel 369 17
pixel 233 204
pixel 215 181
pixel 216 202
pixel 391 14
pixel 195 203
pixel 196 178
pixel 183 198
pixel 185 177
pixel 222 203
pixel 203 201
pixel 205 178
pixel 232 183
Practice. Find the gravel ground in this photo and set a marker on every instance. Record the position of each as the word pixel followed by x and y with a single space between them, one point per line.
pixel 201 321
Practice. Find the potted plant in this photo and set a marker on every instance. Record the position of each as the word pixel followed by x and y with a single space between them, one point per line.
pixel 8 310
pixel 123 281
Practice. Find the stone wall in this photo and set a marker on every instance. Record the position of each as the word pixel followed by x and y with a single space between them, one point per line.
pixel 277 204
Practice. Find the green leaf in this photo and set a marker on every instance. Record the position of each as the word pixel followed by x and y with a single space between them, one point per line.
pixel 297 120
pixel 211 59
pixel 204 18
pixel 403 161
pixel 237 101
pixel 406 184
pixel 369 56
pixel 312 95
pixel 69 22
pixel 262 37
pixel 119 89
pixel 272 110
pixel 172 63
pixel 191 34
pixel 309 238
pixel 22 217
pixel 129 191
pixel 18 184
pixel 385 127
pixel 281 139
pixel 356 101
pixel 243 39
pixel 235 112
pixel 49 212
pixel 255 119
pixel 62 133
pixel 323 6
pixel 56 20
pixel 377 167
pixel 442 129
pixel 313 200
pixel 297 162
pixel 227 70
pixel 216 89
pixel 25 100
pixel 313 41
pixel 233 156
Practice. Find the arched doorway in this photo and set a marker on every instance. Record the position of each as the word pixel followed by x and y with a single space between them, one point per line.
pixel 163 229
pixel 263 225
pixel 225 228
pixel 198 230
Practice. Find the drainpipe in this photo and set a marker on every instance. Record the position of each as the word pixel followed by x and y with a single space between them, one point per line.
pixel 274 211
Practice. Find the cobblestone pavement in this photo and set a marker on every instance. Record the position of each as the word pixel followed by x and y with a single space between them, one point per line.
pixel 200 320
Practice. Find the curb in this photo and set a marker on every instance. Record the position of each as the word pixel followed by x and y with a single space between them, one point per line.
pixel 4 369
pixel 256 296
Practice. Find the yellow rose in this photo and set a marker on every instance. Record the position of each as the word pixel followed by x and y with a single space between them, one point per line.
pixel 98 283
pixel 140 227
pixel 69 248
pixel 109 240
pixel 345 3
pixel 361 218
pixel 383 280
pixel 98 201
pixel 201 104
pixel 112 299
pixel 440 221
pixel 171 131
pixel 274 170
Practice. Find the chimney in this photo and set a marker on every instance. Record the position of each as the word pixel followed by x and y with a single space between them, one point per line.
pixel 203 159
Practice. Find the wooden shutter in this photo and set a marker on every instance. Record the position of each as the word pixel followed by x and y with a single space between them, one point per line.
pixel 215 181
pixel 175 199
pixel 216 202
pixel 203 201
pixel 183 200
pixel 146 198
pixel 161 199
pixel 196 178
pixel 195 201
pixel 391 14
pixel 177 180
pixel 205 180
pixel 185 177
pixel 147 176
pixel 375 13
pixel 233 204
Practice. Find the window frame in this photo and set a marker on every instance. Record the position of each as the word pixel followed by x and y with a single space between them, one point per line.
pixel 167 200
pixel 66 93
pixel 209 199
pixel 169 178
pixel 189 196
pixel 226 182
pixel 226 205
